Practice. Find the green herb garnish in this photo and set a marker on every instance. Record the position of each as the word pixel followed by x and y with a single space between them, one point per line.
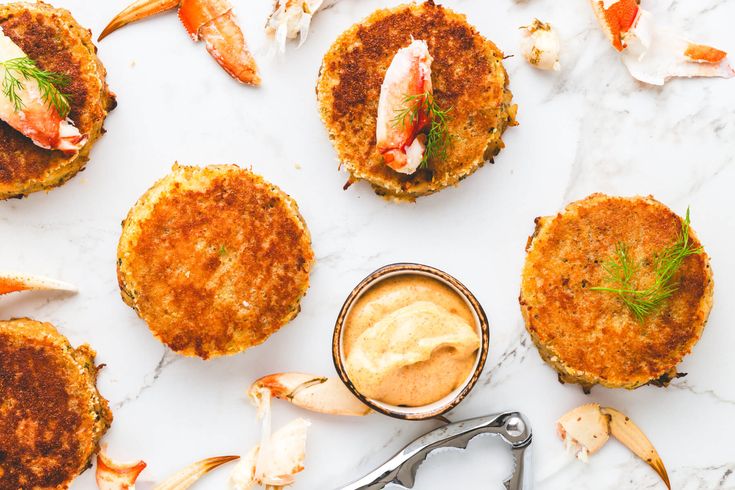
pixel 24 68
pixel 438 139
pixel 222 251
pixel 621 272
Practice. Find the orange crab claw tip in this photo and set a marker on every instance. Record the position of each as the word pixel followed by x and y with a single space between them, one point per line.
pixel 137 11
pixel 11 282
pixel 188 476
pixel 632 437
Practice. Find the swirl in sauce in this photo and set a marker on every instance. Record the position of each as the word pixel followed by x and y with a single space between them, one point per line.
pixel 409 340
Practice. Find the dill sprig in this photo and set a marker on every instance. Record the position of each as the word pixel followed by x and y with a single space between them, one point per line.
pixel 621 272
pixel 438 138
pixel 49 83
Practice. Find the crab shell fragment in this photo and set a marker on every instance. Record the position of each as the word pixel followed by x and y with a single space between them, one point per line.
pixel 655 53
pixel 275 461
pixel 587 428
pixel 315 393
pixel 114 475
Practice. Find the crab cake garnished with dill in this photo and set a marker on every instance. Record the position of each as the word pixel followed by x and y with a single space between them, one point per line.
pixel 615 291
pixel 414 100
pixel 51 414
pixel 54 97
pixel 214 259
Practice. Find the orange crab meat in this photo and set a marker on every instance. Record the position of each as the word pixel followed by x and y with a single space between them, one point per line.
pixel 618 18
pixel 704 54
pixel 402 111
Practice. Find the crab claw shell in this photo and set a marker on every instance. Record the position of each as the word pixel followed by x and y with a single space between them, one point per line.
pixel 194 14
pixel 213 22
pixel 137 11
pixel 318 394
pixel 11 282
pixel 587 428
pixel 113 475
pixel 584 429
pixel 625 431
pixel 186 477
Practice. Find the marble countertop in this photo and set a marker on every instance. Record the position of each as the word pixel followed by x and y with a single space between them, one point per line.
pixel 589 128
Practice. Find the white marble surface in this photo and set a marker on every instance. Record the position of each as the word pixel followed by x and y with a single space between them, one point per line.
pixel 589 128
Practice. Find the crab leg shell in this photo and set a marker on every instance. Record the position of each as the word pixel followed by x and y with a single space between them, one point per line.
pixel 137 11
pixel 11 282
pixel 315 393
pixel 112 475
pixel 632 437
pixel 186 477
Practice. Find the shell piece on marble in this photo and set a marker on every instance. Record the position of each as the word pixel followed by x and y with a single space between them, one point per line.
pixel 654 53
pixel 315 393
pixel 114 475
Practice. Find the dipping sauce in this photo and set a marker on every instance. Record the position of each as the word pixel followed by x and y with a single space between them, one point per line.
pixel 409 340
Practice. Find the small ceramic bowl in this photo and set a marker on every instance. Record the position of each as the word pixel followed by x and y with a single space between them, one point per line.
pixel 450 401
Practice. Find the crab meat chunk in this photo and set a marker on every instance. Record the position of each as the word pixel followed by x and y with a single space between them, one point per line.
pixel 34 116
pixel 540 45
pixel 402 111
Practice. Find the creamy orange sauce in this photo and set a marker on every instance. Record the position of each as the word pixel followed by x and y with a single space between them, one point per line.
pixel 409 340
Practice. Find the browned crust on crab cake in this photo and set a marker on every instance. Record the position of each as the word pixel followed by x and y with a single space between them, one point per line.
pixel 590 337
pixel 53 39
pixel 214 259
pixel 51 414
pixel 467 75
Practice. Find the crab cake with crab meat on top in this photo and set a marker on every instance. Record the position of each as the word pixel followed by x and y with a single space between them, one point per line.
pixel 467 79
pixel 598 336
pixel 214 259
pixel 56 43
pixel 51 414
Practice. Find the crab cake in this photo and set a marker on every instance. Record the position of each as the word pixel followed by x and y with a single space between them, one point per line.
pixel 214 259
pixel 53 39
pixel 468 78
pixel 51 414
pixel 591 336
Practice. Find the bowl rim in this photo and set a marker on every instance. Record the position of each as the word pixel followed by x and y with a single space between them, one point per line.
pixel 408 268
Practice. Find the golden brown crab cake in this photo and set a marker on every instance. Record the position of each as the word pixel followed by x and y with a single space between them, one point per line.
pixel 214 259
pixel 467 75
pixel 51 414
pixel 53 39
pixel 589 336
